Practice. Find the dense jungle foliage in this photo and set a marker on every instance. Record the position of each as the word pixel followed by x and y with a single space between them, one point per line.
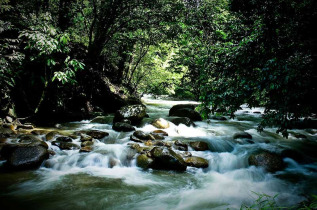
pixel 71 58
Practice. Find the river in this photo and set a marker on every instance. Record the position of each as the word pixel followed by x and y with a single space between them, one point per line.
pixel 73 180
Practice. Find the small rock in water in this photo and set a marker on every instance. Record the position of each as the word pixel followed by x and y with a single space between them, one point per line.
pixel 84 137
pixel 161 123
pixel 242 135
pixel 113 162
pixel 148 143
pixel 125 127
pixel 135 139
pixel 143 136
pixel 64 139
pixel 96 134
pixel 86 143
pixel 167 159
pixel 65 145
pixel 180 146
pixel 161 132
pixel 197 162
pixel 51 135
pixel 269 161
pixel 186 154
pixel 9 119
pixel 199 145
pixel 86 149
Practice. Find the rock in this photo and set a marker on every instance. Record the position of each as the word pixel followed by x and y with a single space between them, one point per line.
pixel 181 106
pixel 51 135
pixel 220 118
pixel 27 157
pixel 199 145
pixel 167 159
pixel 157 136
pixel 269 161
pixel 39 132
pixel 86 143
pixel 148 143
pixel 186 154
pixel 299 136
pixel 242 135
pixel 134 113
pixel 85 137
pixel 144 161
pixel 257 112
pixel 161 132
pixel 125 127
pixel 161 123
pixel 113 162
pixel 185 112
pixel 25 126
pixel 30 140
pixel 100 120
pixel 135 139
pixel 180 146
pixel 197 162
pixel 126 121
pixel 65 145
pixel 183 120
pixel 64 139
pixel 51 152
pixel 143 136
pixel 86 149
pixel 96 134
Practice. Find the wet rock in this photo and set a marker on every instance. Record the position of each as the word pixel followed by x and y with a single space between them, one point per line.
pixel 143 136
pixel 180 146
pixel 31 140
pixel 125 127
pixel 269 161
pixel 181 106
pixel 126 121
pixel 161 123
pixel 183 120
pixel 186 154
pixel 148 143
pixel 161 132
pixel 191 114
pixel 135 139
pixel 27 157
pixel 85 137
pixel 64 139
pixel 65 145
pixel 199 145
pixel 299 136
pixel 51 152
pixel 100 120
pixel 220 118
pixel 197 162
pixel 51 135
pixel 113 162
pixel 167 159
pixel 25 126
pixel 242 135
pixel 134 113
pixel 39 132
pixel 86 149
pixel 144 161
pixel 86 143
pixel 9 119
pixel 96 134
pixel 157 136
pixel 257 112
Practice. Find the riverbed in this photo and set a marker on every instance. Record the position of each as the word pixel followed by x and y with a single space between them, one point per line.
pixel 108 178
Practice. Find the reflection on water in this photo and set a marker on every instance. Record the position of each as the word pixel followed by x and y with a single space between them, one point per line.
pixel 108 177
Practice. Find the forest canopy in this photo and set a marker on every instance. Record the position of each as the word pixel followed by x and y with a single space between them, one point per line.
pixel 80 56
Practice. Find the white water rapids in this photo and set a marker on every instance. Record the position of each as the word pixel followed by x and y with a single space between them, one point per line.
pixel 108 177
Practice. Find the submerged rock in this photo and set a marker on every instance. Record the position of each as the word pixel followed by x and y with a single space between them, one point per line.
pixel 134 113
pixel 26 157
pixel 161 123
pixel 125 127
pixel 199 145
pixel 197 162
pixel 96 134
pixel 167 159
pixel 181 106
pixel 242 135
pixel 269 161
pixel 183 120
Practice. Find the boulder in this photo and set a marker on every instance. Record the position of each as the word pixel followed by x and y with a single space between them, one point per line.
pixel 148 143
pixel 86 149
pixel 31 140
pixel 143 136
pixel 167 159
pixel 27 157
pixel 161 132
pixel 161 123
pixel 135 139
pixel 197 162
pixel 51 135
pixel 125 127
pixel 86 143
pixel 157 136
pixel 180 146
pixel 100 120
pixel 242 135
pixel 269 161
pixel 186 112
pixel 199 145
pixel 134 113
pixel 96 134
pixel 85 137
pixel 64 139
pixel 181 106
pixel 144 161
pixel 65 145
pixel 183 120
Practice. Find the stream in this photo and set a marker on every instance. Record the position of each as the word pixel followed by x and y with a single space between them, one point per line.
pixel 108 178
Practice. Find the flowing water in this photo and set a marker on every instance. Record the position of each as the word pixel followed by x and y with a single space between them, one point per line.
pixel 108 177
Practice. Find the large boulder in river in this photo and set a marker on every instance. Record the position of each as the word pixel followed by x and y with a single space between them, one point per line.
pixel 167 159
pixel 25 157
pixel 96 134
pixel 144 161
pixel 242 135
pixel 197 162
pixel 185 110
pixel 199 145
pixel 134 113
pixel 161 123
pixel 183 120
pixel 269 161
pixel 31 140
pixel 120 126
